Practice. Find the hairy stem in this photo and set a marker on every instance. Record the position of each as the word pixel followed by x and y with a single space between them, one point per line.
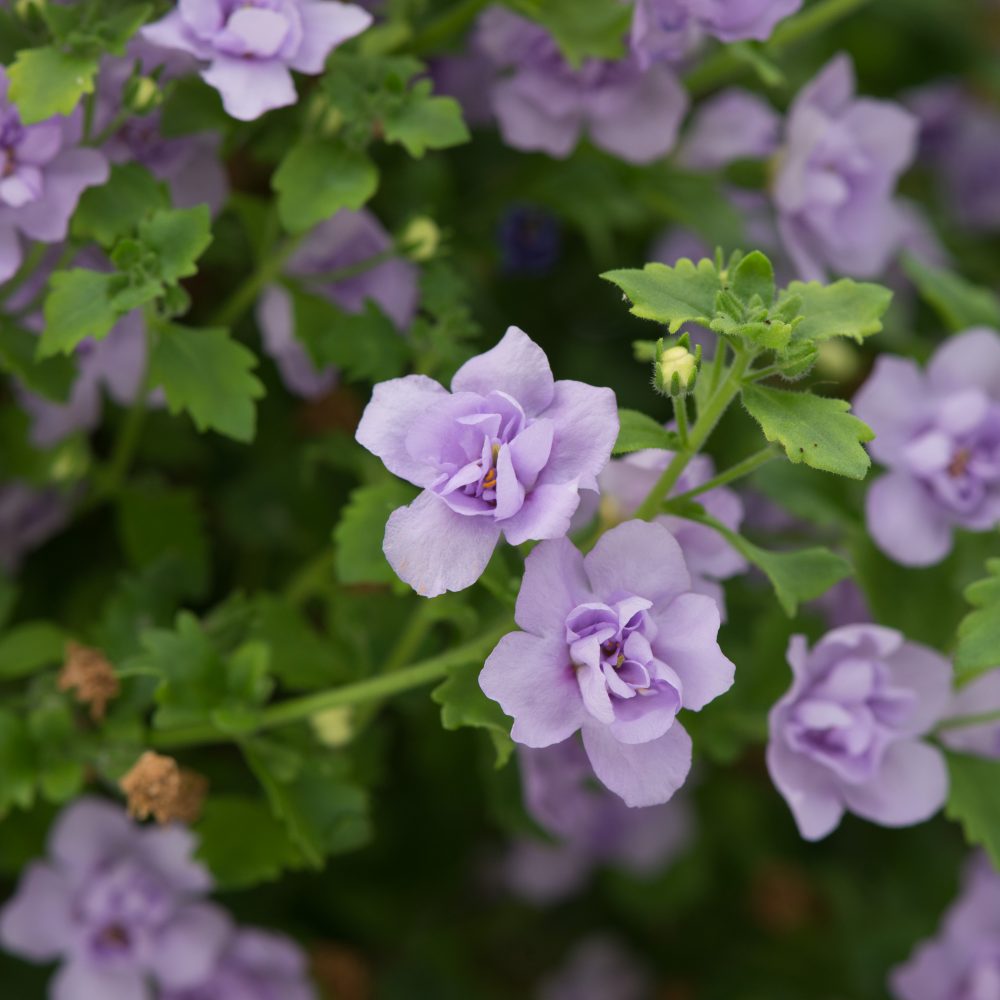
pixel 965 721
pixel 734 472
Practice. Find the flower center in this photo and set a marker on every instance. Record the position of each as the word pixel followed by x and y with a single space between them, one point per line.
pixel 959 462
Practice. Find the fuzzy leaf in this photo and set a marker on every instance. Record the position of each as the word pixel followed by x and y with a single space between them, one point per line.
pixel 674 295
pixel 358 535
pixel 637 431
pixel 48 81
pixel 974 800
pixel 114 209
pixel 463 704
pixel 844 309
pixel 959 303
pixel 421 122
pixel 979 632
pixel 78 306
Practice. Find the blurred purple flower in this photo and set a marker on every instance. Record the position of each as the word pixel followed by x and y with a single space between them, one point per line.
pixel 598 968
pixel 542 103
pixel 843 604
pixel 118 905
pixel 977 697
pixel 938 432
pixel 594 827
pixel 252 45
pixel 256 965
pixel 614 644
pixel 734 125
pixel 846 736
pixel 529 240
pixel 670 29
pixel 837 172
pixel 43 172
pixel 28 518
pixel 347 241
pixel 467 77
pixel 505 452
pixel 963 961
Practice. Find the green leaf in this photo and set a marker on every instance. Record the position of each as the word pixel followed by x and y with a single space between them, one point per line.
pixel 78 306
pixel 237 859
pixel 154 520
pixel 812 429
pixel 323 811
pixel 29 647
pixel 317 178
pixel 49 81
pixel 958 302
pixel 208 375
pixel 178 237
pixel 17 762
pixel 637 431
pixel 115 209
pixel 974 800
pixel 358 535
pixel 844 309
pixel 52 377
pixel 979 632
pixel 753 277
pixel 463 704
pixel 421 121
pixel 684 293
pixel 595 29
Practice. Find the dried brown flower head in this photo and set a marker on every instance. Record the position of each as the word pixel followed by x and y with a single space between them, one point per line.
pixel 157 786
pixel 88 671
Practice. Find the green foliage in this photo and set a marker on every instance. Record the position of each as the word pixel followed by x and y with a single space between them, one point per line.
pixel 115 209
pixel 421 122
pixel 177 238
pixel 974 800
pixel 358 535
pixel 844 309
pixel 637 431
pixel 30 646
pixel 684 293
pixel 812 429
pixel 593 30
pixel 51 377
pixel 959 303
pixel 78 306
pixel 464 704
pixel 207 374
pixel 979 632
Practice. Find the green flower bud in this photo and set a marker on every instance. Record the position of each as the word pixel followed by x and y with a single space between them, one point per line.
pixel 142 95
pixel 798 361
pixel 421 239
pixel 676 368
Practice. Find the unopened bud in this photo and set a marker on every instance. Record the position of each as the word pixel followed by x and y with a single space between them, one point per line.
pixel 421 239
pixel 334 727
pixel 88 672
pixel 676 368
pixel 156 786
pixel 142 95
pixel 798 361
pixel 839 359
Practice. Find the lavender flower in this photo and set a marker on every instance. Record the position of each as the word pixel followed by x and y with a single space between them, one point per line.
pixel 256 965
pixel 614 644
pixel 598 968
pixel 938 433
pixel 28 517
pixel 349 240
pixel 734 125
pixel 670 29
pixel 118 904
pixel 251 46
pixel 505 452
pixel 978 697
pixel 42 175
pixel 846 736
pixel 710 558
pixel 543 103
pixel 963 961
pixel 593 825
pixel 837 171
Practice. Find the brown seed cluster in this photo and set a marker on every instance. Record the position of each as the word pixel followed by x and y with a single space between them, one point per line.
pixel 157 786
pixel 88 671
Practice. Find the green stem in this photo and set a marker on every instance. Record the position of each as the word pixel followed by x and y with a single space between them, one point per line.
pixel 681 419
pixel 411 637
pixel 246 293
pixel 373 689
pixel 704 425
pixel 718 363
pixel 311 579
pixel 964 721
pixel 762 373
pixel 111 128
pixel 737 471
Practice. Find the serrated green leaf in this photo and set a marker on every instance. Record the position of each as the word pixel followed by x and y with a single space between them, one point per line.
pixel 595 29
pixel 974 800
pixel 52 377
pixel 178 237
pixel 17 762
pixel 959 303
pixel 49 81
pixel 30 646
pixel 979 631
pixel 115 209
pixel 844 309
pixel 358 535
pixel 813 429
pixel 753 276
pixel 421 121
pixel 463 704
pixel 208 375
pixel 78 306
pixel 684 293
pixel 637 431
pixel 317 178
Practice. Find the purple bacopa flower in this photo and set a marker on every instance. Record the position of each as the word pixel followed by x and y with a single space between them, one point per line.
pixel 593 826
pixel 598 968
pixel 505 452
pixel 670 29
pixel 980 696
pixel 251 46
pixel 734 125
pixel 353 242
pixel 709 557
pixel 963 961
pixel 256 965
pixel 28 517
pixel 42 175
pixel 615 644
pixel 542 103
pixel 118 905
pixel 837 172
pixel 938 433
pixel 846 736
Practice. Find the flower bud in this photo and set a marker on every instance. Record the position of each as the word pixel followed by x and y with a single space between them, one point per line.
pixel 421 239
pixel 676 368
pixel 798 361
pixel 142 95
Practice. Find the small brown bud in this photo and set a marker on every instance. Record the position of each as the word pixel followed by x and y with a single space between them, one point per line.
pixel 89 672
pixel 156 786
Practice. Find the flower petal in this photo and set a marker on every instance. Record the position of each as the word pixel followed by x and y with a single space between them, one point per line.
pixel 886 402
pixel 188 949
pixel 249 87
pixel 586 428
pixel 86 830
pixel 928 675
pixel 36 923
pixel 547 512
pixel 807 787
pixel 968 359
pixel 79 980
pixel 66 177
pixel 554 583
pixel 325 25
pixel 905 523
pixel 639 558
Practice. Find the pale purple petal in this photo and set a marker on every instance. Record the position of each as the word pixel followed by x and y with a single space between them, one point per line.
pixel 533 681
pixel 808 790
pixel 78 980
pixel 929 675
pixel 86 829
pixel 554 583
pixel 732 126
pixel 525 123
pixel 905 523
pixel 170 33
pixel 277 326
pixel 35 923
pixel 967 359
pixel 433 549
pixel 586 428
pixel 170 851
pixel 66 177
pixel 325 25
pixel 190 946
pixel 249 87
pixel 546 513
pixel 10 247
pixel 886 403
